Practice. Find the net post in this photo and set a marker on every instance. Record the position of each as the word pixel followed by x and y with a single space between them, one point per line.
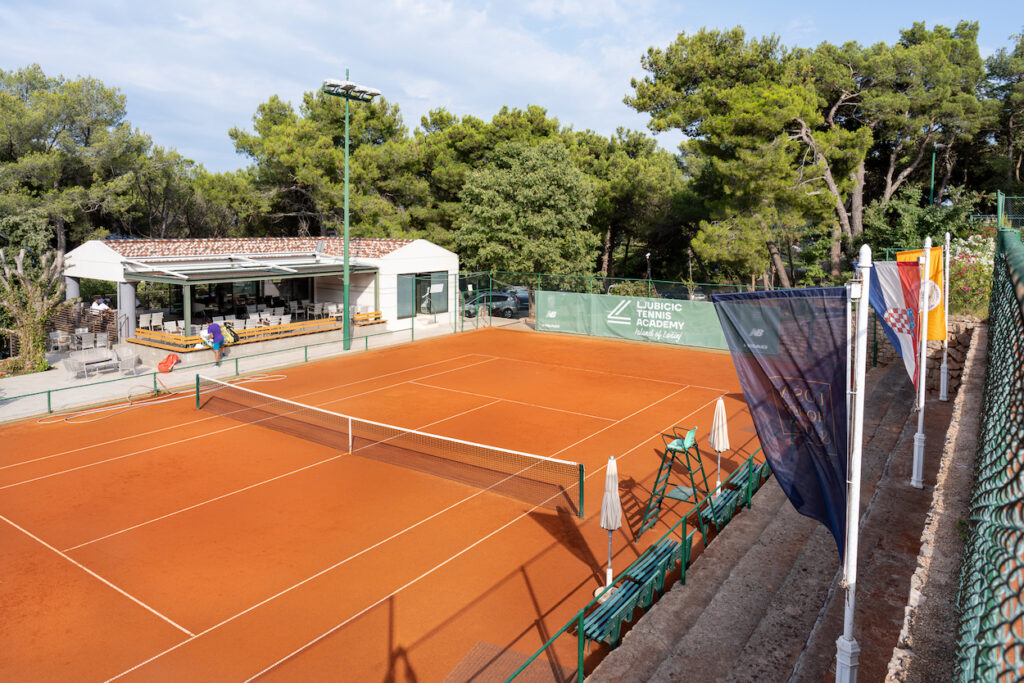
pixel 197 391
pixel 581 490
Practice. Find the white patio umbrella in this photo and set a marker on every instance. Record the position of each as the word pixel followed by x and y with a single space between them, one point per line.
pixel 719 437
pixel 611 514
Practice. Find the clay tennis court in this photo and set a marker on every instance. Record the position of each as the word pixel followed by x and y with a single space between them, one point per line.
pixel 167 542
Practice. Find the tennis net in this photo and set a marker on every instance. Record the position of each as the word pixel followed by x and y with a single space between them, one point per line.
pixel 546 482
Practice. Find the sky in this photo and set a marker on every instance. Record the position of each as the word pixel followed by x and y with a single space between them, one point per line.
pixel 191 70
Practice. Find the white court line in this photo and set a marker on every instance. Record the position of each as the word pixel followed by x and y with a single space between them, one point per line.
pixel 322 572
pixel 260 483
pixel 509 400
pixel 203 419
pixel 97 576
pixel 205 434
pixel 461 552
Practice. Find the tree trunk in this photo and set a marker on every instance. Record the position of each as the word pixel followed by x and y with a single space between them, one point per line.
pixel 892 185
pixel 607 253
pixel 835 251
pixel 857 202
pixel 62 234
pixel 780 267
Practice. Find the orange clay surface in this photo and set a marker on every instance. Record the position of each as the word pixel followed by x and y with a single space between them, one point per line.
pixel 166 543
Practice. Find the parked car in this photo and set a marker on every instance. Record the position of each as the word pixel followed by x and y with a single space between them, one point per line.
pixel 499 303
pixel 522 294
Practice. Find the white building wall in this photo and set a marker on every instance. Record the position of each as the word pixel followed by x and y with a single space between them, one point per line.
pixel 420 256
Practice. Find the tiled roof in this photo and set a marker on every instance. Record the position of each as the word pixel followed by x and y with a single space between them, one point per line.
pixel 358 247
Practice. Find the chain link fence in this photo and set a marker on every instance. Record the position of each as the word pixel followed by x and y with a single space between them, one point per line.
pixel 991 630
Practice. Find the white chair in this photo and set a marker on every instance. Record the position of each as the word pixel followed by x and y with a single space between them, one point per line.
pixel 144 319
pixel 157 321
pixel 251 310
pixel 126 360
pixel 279 310
pixel 88 340
pixel 286 319
pixel 293 307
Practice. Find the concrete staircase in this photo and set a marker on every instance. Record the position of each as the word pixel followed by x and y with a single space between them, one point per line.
pixel 763 585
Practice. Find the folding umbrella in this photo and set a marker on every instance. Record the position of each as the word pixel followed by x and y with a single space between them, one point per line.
pixel 611 514
pixel 719 437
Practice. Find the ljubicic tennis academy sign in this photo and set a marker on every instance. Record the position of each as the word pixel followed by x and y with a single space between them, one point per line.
pixel 669 321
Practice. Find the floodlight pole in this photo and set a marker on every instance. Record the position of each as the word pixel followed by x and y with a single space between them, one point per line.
pixel 348 91
pixel 847 649
pixel 346 320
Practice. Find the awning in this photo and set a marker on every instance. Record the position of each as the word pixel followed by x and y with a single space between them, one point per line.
pixel 193 270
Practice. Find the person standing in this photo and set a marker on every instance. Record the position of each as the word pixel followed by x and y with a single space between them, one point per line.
pixel 217 339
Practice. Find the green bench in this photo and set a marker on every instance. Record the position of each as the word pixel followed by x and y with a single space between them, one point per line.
pixel 737 490
pixel 639 583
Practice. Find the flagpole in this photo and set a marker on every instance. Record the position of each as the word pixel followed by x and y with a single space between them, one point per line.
pixel 847 649
pixel 917 476
pixel 944 375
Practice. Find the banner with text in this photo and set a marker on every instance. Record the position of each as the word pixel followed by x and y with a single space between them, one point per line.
pixel 668 321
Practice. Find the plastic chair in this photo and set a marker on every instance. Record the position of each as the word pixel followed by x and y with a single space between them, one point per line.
pixel 157 320
pixel 88 340
pixel 144 319
pixel 126 360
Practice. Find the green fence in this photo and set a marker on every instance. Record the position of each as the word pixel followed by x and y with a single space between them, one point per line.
pixel 1009 211
pixel 667 321
pixel 991 631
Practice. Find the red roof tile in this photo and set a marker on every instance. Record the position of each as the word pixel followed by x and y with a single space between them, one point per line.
pixel 360 247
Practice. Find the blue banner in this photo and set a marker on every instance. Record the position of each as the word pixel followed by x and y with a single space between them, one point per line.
pixel 789 349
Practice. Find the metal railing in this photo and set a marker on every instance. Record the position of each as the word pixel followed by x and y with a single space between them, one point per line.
pixel 990 644
pixel 579 619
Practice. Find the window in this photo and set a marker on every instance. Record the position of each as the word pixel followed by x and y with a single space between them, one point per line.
pixel 427 292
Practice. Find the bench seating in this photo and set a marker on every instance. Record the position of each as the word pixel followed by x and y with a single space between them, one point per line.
pixel 736 491
pixel 637 588
pixel 372 318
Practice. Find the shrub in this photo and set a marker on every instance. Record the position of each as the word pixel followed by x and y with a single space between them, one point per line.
pixel 970 275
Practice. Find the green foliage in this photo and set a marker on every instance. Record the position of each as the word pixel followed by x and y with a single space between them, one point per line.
pixel 643 288
pixel 527 211
pixel 905 221
pixel 970 275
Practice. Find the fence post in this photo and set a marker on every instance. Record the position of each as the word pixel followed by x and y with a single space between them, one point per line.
pixel 155 390
pixel 305 353
pixel 49 409
pixel 197 391
pixel 236 367
pixel 580 638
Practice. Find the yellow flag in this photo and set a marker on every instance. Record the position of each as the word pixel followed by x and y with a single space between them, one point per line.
pixel 936 302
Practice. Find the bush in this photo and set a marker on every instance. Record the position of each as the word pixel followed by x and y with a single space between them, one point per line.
pixel 970 275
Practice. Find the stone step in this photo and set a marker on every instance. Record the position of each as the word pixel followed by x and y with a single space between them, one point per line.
pixel 756 591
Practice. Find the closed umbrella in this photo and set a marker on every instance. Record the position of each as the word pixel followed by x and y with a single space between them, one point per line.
pixel 611 514
pixel 719 438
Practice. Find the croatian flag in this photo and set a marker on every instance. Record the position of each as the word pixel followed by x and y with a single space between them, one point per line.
pixel 894 296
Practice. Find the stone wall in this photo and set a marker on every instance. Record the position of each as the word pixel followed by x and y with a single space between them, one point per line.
pixel 960 328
